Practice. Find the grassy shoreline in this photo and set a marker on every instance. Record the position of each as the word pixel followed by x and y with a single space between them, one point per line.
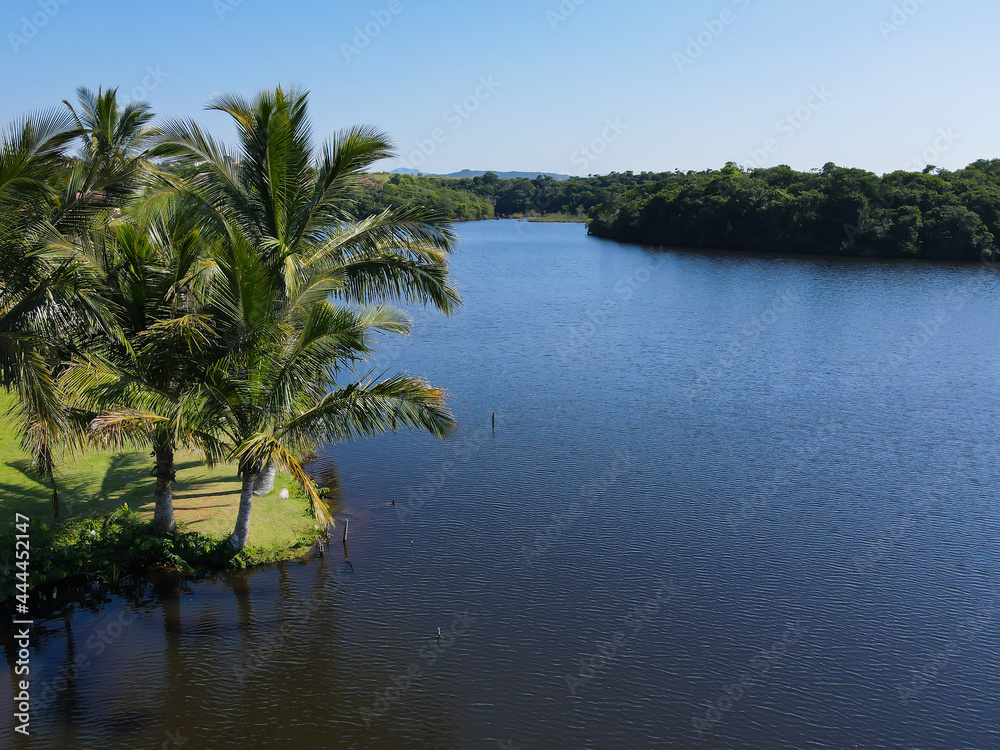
pixel 558 219
pixel 107 496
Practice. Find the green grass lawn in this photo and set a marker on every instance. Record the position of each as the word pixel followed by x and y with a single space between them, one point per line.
pixel 205 499
pixel 558 219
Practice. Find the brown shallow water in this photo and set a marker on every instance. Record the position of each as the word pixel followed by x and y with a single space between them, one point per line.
pixel 730 502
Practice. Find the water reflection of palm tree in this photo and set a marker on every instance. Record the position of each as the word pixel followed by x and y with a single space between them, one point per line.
pixel 325 473
pixel 67 701
pixel 168 589
pixel 239 583
pixel 324 470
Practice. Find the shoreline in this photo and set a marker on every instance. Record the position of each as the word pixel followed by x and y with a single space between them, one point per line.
pixel 777 255
pixel 107 496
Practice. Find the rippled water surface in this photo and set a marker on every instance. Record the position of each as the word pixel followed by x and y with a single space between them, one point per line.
pixel 729 502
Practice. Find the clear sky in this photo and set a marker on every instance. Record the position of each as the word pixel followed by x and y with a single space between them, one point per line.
pixel 578 86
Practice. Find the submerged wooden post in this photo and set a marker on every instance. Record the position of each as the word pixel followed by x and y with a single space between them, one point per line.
pixel 347 523
pixel 494 420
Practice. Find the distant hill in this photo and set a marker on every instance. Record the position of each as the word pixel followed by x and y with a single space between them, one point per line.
pixel 480 173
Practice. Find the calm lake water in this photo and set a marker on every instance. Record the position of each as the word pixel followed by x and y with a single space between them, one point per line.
pixel 729 502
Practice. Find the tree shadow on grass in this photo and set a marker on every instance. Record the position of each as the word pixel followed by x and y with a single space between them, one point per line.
pixel 126 480
pixel 25 468
pixel 34 501
pixel 125 470
pixel 29 496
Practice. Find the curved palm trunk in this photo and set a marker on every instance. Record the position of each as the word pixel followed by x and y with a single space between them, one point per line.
pixel 163 515
pixel 241 534
pixel 264 484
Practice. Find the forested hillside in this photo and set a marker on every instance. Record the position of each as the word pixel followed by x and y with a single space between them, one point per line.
pixel 490 196
pixel 935 214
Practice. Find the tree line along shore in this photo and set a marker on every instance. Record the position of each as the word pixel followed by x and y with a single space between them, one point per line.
pixel 933 214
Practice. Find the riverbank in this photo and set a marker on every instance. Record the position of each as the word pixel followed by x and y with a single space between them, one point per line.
pixel 558 219
pixel 107 496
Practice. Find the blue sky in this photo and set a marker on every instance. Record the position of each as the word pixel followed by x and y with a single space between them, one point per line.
pixel 572 86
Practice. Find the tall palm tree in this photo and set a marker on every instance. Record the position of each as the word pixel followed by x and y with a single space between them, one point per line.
pixel 274 392
pixel 295 205
pixel 137 381
pixel 31 154
pixel 50 301
pixel 48 291
pixel 277 201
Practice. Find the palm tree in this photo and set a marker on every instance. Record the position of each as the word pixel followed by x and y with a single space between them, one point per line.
pixel 138 381
pixel 273 393
pixel 50 302
pixel 295 206
pixel 31 154
pixel 285 212
pixel 48 290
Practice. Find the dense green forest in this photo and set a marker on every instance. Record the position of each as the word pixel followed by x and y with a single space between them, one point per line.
pixel 382 191
pixel 935 214
pixel 489 196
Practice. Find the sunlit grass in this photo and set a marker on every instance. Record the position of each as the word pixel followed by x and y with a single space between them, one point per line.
pixel 205 499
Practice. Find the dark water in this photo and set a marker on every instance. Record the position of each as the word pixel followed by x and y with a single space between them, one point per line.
pixel 730 502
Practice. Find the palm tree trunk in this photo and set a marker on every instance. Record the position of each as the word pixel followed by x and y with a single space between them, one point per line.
pixel 55 497
pixel 51 477
pixel 241 534
pixel 264 484
pixel 163 515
